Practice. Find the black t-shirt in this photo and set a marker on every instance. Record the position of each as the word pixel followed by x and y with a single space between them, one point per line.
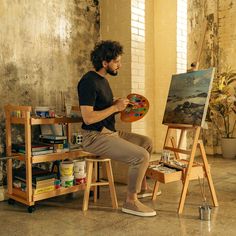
pixel 94 90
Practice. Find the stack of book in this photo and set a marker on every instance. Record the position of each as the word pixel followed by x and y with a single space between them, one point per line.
pixel 42 180
pixel 58 142
pixel 36 148
pixel 43 186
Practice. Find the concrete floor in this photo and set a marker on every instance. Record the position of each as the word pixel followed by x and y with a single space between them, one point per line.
pixel 63 216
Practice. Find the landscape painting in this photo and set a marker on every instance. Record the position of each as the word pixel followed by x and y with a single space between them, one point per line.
pixel 188 98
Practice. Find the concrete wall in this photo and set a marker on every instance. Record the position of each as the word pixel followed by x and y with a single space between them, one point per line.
pixel 44 50
pixel 227 33
pixel 218 47
pixel 200 12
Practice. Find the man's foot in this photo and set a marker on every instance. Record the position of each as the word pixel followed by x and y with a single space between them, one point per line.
pixel 147 193
pixel 138 209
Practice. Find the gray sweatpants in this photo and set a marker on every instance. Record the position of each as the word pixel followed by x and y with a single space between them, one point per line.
pixel 133 149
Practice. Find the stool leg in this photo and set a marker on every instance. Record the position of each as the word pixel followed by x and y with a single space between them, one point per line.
pixel 111 185
pixel 88 185
pixel 155 189
pixel 95 179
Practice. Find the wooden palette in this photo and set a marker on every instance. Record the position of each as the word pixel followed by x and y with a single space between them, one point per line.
pixel 137 108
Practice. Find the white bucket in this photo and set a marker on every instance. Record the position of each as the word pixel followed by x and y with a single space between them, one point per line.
pixel 79 166
pixel 80 178
pixel 78 175
pixel 67 181
pixel 66 168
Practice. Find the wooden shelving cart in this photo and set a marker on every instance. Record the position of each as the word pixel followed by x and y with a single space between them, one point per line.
pixel 21 115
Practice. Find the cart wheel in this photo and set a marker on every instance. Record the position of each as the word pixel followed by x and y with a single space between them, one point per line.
pixel 31 209
pixel 11 201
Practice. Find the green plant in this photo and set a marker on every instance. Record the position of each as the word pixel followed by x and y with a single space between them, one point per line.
pixel 222 102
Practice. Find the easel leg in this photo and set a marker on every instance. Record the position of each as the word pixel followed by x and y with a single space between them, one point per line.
pixel 188 172
pixel 155 189
pixel 184 192
pixel 208 174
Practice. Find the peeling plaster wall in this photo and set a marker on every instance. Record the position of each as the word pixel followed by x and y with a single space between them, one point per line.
pixel 200 11
pixel 44 50
pixel 227 33
pixel 219 45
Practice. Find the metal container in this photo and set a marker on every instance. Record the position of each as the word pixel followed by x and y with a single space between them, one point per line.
pixel 205 212
pixel 165 156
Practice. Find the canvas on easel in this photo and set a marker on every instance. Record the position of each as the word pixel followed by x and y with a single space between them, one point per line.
pixel 188 98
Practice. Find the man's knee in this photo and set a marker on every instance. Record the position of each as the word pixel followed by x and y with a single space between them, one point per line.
pixel 148 144
pixel 144 156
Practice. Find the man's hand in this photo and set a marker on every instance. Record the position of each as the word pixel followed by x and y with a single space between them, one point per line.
pixel 121 103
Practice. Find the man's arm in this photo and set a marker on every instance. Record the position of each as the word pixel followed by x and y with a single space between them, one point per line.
pixel 90 116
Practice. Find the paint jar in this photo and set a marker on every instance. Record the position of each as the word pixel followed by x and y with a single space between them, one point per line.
pixel 52 112
pixel 57 183
pixel 66 168
pixel 80 178
pixel 165 156
pixel 79 166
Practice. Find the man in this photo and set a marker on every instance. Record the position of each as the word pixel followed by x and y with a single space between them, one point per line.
pixel 100 137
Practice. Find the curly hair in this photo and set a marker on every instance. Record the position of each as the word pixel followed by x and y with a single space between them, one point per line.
pixel 105 51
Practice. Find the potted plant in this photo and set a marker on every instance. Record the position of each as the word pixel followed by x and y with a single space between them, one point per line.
pixel 222 107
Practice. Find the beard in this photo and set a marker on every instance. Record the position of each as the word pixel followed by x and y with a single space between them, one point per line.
pixel 111 72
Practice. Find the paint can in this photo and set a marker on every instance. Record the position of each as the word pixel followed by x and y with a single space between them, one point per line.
pixel 67 181
pixel 205 212
pixel 80 171
pixel 79 166
pixel 66 168
pixel 165 156
pixel 80 178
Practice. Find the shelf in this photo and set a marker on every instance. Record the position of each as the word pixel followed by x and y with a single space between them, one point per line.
pixel 61 156
pixel 16 120
pixel 46 121
pixel 22 115
pixel 20 195
pixel 58 192
pixel 72 154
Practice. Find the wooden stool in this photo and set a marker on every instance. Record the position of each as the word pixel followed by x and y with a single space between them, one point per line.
pixel 91 181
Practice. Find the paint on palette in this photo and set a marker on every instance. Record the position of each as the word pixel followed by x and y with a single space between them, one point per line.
pixel 137 108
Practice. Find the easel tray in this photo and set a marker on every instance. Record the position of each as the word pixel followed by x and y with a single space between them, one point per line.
pixel 167 173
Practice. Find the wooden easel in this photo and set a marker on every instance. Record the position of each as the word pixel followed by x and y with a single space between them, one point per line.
pixel 194 170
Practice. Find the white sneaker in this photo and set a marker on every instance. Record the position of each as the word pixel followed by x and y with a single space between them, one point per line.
pixel 147 193
pixel 138 209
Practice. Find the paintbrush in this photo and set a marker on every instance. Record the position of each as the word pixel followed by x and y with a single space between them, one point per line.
pixel 132 103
